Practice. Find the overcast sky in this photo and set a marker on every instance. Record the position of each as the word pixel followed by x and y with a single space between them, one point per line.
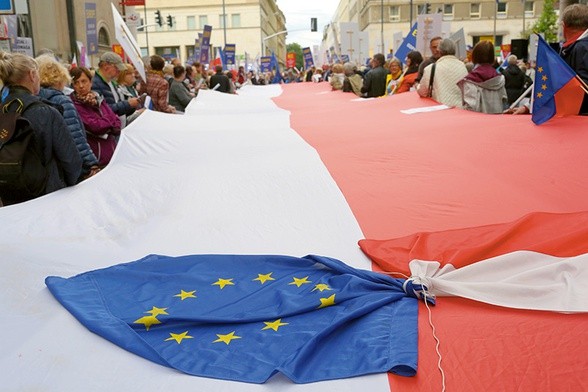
pixel 298 14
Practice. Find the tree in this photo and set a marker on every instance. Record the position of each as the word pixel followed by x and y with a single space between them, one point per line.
pixel 294 47
pixel 547 22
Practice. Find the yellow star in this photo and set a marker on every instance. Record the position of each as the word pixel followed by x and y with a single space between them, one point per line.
pixel 264 278
pixel 273 325
pixel 157 311
pixel 186 294
pixel 543 87
pixel 540 69
pixel 223 282
pixel 544 78
pixel 300 282
pixel 226 338
pixel 327 301
pixel 147 321
pixel 321 287
pixel 178 337
pixel 539 94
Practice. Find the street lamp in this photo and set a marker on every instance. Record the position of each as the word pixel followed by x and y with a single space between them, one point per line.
pixel 224 23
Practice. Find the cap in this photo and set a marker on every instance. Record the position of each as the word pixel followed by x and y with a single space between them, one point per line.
pixel 113 58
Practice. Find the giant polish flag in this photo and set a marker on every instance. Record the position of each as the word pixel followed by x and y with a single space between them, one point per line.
pixel 269 181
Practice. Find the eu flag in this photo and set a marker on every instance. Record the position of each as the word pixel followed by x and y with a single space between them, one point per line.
pixel 556 89
pixel 245 318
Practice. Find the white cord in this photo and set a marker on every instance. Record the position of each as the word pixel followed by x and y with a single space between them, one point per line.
pixel 438 342
pixel 436 339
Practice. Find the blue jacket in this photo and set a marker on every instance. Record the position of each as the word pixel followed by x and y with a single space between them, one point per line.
pixel 121 107
pixel 74 124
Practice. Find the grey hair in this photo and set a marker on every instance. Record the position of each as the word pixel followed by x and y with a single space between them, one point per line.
pixel 512 59
pixel 349 68
pixel 447 47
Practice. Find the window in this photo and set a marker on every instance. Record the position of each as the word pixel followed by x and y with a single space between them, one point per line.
pixel 221 21
pixel 394 12
pixel 474 10
pixel 501 10
pixel 191 23
pixel 529 9
pixel 202 20
pixel 447 11
pixel 236 20
pixel 103 38
pixel 421 9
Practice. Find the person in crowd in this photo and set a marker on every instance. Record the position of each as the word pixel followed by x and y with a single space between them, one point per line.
pixel 241 77
pixel 374 84
pixel 20 77
pixel 435 55
pixel 446 71
pixel 221 80
pixel 109 66
pixel 483 88
pixel 189 80
pixel 515 79
pixel 575 48
pixel 198 75
pixel 156 86
pixel 353 79
pixel 317 76
pixel 101 123
pixel 408 79
pixel 179 96
pixel 126 86
pixel 168 72
pixel 54 77
pixel 337 77
pixel 308 75
pixel 394 75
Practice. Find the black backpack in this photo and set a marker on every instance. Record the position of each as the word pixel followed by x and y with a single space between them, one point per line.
pixel 23 174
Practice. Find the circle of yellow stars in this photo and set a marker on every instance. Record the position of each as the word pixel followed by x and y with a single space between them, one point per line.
pixel 151 319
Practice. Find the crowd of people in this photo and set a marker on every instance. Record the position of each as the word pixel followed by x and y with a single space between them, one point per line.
pixel 78 113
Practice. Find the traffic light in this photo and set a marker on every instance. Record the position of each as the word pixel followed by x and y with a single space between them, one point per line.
pixel 170 21
pixel 158 19
pixel 313 24
pixel 427 8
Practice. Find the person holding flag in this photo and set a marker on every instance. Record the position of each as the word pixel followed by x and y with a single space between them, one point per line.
pixel 574 51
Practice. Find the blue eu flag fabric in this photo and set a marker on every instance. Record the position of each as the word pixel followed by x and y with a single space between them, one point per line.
pixel 551 75
pixel 276 66
pixel 245 318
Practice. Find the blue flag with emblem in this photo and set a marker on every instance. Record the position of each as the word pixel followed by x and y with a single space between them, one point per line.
pixel 556 91
pixel 245 318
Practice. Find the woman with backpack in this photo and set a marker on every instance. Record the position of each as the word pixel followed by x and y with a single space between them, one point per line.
pixel 60 162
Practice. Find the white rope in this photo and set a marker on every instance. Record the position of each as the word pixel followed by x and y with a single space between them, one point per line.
pixel 438 342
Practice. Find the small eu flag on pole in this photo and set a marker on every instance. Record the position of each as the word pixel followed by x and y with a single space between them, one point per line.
pixel 245 318
pixel 557 91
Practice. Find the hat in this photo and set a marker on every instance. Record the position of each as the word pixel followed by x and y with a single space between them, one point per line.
pixel 113 58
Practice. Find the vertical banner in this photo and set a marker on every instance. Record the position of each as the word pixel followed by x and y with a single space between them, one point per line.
pixel 429 26
pixel 230 54
pixel 83 61
pixel 409 44
pixel 460 44
pixel 308 61
pixel 91 33
pixel 290 60
pixel 205 45
pixel 266 64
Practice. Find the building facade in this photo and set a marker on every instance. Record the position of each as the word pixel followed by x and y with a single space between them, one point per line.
pixel 254 26
pixel 480 19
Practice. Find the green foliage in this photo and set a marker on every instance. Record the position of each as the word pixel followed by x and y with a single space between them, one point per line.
pixel 295 47
pixel 547 22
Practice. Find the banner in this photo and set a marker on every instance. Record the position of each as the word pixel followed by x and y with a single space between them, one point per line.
pixel 205 45
pixel 91 33
pixel 345 58
pixel 290 60
pixel 409 44
pixel 266 64
pixel 429 26
pixel 229 54
pixel 308 61
pixel 23 45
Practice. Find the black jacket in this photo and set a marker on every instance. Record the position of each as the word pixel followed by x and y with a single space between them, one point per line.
pixel 60 155
pixel 222 81
pixel 576 55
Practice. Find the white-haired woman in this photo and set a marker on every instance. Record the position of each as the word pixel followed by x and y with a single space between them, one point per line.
pixel 54 77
